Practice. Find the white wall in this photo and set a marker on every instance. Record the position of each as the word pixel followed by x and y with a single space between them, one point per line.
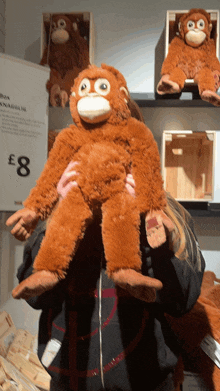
pixel 128 32
pixel 129 36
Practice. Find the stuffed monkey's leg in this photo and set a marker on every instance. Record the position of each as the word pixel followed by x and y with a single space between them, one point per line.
pixel 171 83
pixel 206 84
pixel 121 239
pixel 63 233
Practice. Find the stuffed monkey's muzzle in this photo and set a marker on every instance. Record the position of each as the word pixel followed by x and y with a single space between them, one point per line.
pixel 94 108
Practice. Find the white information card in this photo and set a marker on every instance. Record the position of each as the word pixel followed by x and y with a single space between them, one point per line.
pixel 23 128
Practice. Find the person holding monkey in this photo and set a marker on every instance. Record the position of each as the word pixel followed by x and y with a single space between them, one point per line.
pixel 93 334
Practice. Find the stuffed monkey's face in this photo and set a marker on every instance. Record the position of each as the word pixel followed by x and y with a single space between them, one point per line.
pixel 95 94
pixel 195 29
pixel 61 29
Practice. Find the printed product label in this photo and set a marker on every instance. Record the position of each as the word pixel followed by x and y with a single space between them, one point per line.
pixel 52 348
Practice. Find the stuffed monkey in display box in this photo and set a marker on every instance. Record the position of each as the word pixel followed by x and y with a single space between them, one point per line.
pixel 67 54
pixel 192 55
pixel 108 144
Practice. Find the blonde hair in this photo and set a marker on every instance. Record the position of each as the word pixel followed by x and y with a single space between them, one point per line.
pixel 182 240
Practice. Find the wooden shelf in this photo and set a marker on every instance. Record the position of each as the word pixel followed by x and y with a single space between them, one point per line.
pixel 203 209
pixel 151 100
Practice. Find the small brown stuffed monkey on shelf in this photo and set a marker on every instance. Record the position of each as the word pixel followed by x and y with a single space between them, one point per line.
pixel 67 54
pixel 192 55
pixel 108 144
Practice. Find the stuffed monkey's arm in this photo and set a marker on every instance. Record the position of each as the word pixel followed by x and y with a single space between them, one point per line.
pixel 44 59
pixel 44 196
pixel 211 59
pixel 173 57
pixel 146 168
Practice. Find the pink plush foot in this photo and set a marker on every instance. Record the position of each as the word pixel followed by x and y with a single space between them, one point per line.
pixel 35 285
pixel 139 286
pixel 167 86
pixel 211 97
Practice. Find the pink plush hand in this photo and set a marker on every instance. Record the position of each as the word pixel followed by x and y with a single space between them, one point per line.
pixel 67 180
pixel 25 221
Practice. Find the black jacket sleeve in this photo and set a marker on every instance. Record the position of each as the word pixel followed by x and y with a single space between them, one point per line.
pixel 181 279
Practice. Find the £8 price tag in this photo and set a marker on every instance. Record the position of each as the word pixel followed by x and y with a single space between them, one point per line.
pixel 22 164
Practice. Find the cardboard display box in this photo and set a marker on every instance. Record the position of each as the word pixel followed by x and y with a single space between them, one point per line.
pixel 7 332
pixel 188 164
pixel 23 355
pixel 20 368
pixel 12 380
pixel 172 20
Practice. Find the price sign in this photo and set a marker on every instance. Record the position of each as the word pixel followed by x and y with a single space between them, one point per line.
pixel 23 128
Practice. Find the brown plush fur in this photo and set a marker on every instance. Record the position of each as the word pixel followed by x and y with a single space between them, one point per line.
pixel 106 152
pixel 66 60
pixel 192 328
pixel 185 61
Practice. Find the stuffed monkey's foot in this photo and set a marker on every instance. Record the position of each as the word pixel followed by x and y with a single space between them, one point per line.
pixel 139 286
pixel 58 97
pixel 155 231
pixel 211 97
pixel 35 285
pixel 167 86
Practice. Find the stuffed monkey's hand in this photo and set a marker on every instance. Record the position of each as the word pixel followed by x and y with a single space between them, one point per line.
pixel 24 221
pixel 155 223
pixel 67 180
pixel 36 284
pixel 58 97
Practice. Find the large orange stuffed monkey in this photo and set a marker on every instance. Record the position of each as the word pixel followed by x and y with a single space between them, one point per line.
pixel 192 55
pixel 108 143
pixel 67 54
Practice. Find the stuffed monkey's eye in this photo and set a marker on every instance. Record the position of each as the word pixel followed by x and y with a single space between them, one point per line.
pixel 61 23
pixel 84 87
pixel 201 24
pixel 190 25
pixel 102 86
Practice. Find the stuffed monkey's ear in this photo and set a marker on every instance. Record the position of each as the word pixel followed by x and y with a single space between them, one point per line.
pixel 125 93
pixel 210 27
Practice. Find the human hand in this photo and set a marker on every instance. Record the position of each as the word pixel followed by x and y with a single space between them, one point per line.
pixel 130 184
pixel 67 180
pixel 24 221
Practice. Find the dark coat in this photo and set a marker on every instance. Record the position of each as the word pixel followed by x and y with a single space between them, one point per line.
pixel 108 340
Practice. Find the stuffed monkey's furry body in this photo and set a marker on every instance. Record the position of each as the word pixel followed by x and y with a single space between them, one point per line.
pixel 106 151
pixel 67 54
pixel 192 55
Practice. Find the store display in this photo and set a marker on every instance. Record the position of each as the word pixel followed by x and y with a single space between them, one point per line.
pixel 188 164
pixel 192 55
pixel 66 52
